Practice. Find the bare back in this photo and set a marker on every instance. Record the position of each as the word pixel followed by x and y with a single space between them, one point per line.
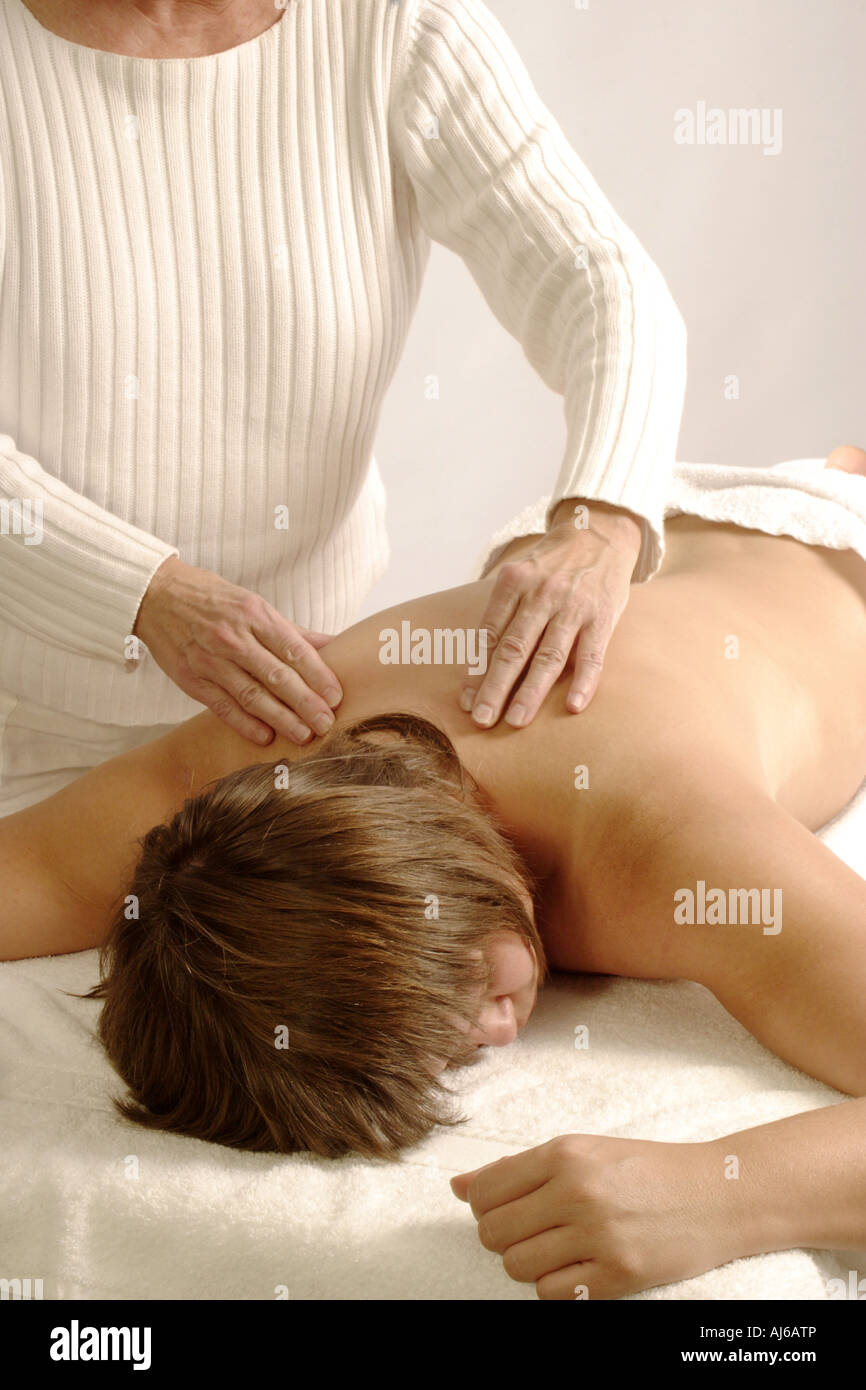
pixel 742 666
pixel 745 648
pixel 743 663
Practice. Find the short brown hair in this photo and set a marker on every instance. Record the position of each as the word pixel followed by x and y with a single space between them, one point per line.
pixel 346 913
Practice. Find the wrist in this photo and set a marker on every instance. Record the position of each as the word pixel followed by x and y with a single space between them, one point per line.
pixel 619 527
pixel 160 577
pixel 747 1214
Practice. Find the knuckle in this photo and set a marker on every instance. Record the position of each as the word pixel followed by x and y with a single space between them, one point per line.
pixel 512 648
pixel 546 1289
pixel 252 607
pixel 222 707
pixel 226 636
pixel 515 573
pixel 578 1186
pixel 600 628
pixel 248 694
pixel 625 1262
pixel 293 651
pixel 578 618
pixel 486 1234
pixel 556 590
pixel 305 712
pixel 594 656
pixel 491 635
pixel 514 1264
pixel 566 1146
pixel 550 656
pixel 192 666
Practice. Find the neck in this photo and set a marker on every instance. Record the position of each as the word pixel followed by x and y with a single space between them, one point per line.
pixel 158 28
pixel 178 14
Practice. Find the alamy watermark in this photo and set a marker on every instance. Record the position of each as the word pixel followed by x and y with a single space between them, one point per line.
pixel 714 907
pixel 712 125
pixel 22 516
pixel 21 1288
pixel 439 646
pixel 76 1343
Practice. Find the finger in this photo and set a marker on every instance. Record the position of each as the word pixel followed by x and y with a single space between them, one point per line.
pixel 220 703
pixel 520 1221
pixel 316 639
pixel 460 1184
pixel 497 615
pixel 587 1281
pixel 546 667
pixel 527 1261
pixel 273 689
pixel 286 691
pixel 508 1179
pixel 511 655
pixel 255 700
pixel 588 662
pixel 287 643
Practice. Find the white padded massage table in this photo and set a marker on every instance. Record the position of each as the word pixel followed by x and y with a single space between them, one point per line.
pixel 100 1208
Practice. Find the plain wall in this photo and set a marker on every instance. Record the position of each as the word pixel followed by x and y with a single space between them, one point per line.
pixel 764 254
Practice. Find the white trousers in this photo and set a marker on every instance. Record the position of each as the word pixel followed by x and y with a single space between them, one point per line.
pixel 42 750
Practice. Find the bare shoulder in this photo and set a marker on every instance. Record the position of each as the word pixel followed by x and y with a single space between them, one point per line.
pixel 65 862
pixel 203 749
pixel 675 816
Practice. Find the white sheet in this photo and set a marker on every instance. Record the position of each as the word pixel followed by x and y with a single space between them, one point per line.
pixel 98 1208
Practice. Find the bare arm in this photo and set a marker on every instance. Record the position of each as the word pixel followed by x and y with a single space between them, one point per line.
pixel 802 1180
pixel 615 1216
pixel 798 983
pixel 65 862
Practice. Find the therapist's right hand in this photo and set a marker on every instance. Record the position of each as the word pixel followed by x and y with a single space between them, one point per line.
pixel 230 650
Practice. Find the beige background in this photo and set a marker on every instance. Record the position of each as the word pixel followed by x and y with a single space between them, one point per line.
pixel 764 254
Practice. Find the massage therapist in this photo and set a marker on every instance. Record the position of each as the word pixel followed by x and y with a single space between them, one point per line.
pixel 215 217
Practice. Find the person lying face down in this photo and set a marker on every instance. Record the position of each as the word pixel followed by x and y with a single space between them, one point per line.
pixel 298 951
pixel 313 946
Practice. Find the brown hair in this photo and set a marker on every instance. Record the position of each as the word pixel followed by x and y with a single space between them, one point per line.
pixel 340 905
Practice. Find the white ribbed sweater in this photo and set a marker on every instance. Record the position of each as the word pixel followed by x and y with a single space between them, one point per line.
pixel 208 269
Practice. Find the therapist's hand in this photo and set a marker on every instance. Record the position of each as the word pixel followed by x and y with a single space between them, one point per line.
pixel 585 1216
pixel 561 597
pixel 231 651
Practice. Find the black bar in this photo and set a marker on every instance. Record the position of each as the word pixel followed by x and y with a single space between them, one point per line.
pixel 379 1339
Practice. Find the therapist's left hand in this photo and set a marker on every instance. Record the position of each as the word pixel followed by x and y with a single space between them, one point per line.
pixel 564 595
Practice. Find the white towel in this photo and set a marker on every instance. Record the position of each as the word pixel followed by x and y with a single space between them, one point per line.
pixel 99 1208
pixel 799 498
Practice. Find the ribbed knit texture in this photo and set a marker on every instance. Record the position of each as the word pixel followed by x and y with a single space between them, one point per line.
pixel 208 270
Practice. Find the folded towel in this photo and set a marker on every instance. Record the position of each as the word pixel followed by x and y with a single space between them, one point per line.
pixel 99 1208
pixel 799 498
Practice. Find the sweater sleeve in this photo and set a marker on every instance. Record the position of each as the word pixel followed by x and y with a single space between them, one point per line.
pixel 71 573
pixel 496 181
